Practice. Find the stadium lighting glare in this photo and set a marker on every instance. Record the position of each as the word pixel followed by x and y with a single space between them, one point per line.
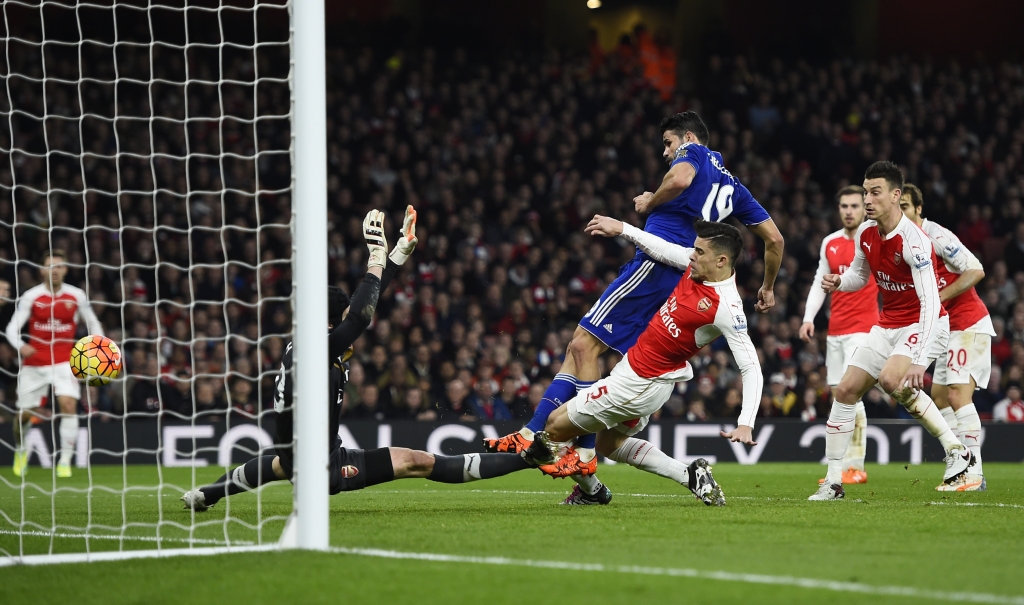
pixel 593 3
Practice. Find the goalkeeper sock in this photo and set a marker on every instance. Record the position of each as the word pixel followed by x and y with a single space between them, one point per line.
pixel 473 467
pixel 923 408
pixel 588 484
pixel 587 442
pixel 970 433
pixel 68 436
pixel 859 444
pixel 949 414
pixel 249 476
pixel 561 390
pixel 646 457
pixel 839 428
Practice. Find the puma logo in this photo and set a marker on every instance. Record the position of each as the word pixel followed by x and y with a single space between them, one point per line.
pixel 833 249
pixel 866 245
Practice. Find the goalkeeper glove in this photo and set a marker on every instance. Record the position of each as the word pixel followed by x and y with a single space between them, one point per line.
pixel 407 240
pixel 373 233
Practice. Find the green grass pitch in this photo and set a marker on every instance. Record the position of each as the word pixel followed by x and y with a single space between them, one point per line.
pixel 894 540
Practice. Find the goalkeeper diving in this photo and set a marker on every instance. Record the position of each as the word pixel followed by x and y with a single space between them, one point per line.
pixel 353 469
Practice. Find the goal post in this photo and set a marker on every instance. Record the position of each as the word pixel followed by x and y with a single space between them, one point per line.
pixel 309 128
pixel 176 150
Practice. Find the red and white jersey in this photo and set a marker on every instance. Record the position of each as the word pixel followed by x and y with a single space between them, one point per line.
pixel 851 312
pixel 52 320
pixel 965 310
pixel 903 264
pixel 694 315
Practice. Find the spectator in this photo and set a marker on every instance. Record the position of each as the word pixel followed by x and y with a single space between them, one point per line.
pixel 782 399
pixel 1010 409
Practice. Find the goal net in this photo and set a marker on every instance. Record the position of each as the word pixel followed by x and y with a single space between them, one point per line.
pixel 149 141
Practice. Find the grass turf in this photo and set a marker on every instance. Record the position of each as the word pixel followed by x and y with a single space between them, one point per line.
pixel 894 531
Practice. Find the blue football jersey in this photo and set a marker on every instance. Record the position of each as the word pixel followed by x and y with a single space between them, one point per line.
pixel 714 195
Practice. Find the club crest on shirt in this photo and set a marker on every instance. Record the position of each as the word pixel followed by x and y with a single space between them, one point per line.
pixel 348 471
pixel 897 258
pixel 704 304
pixel 68 305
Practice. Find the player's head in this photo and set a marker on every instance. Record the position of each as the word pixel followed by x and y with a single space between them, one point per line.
pixel 912 202
pixel 53 267
pixel 851 205
pixel 715 251
pixel 685 127
pixel 337 305
pixel 883 187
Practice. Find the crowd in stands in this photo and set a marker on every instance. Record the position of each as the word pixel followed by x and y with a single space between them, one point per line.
pixel 505 160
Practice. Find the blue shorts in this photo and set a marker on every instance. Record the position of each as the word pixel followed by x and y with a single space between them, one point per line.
pixel 622 313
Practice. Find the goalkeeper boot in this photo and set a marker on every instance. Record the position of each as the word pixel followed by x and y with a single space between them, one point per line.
pixel 64 469
pixel 578 497
pixel 20 466
pixel 703 484
pixel 195 500
pixel 538 453
pixel 827 491
pixel 513 443
pixel 959 462
pixel 570 464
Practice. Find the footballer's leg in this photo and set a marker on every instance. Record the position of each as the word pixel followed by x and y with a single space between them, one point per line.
pixel 840 350
pixel 958 400
pixel 249 476
pixel 22 425
pixel 407 464
pixel 621 447
pixel 68 433
pixel 842 419
pixel 33 385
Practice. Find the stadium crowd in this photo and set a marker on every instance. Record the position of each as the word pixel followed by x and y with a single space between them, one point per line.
pixel 505 160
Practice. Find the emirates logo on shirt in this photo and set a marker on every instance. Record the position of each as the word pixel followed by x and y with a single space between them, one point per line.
pixel 897 258
pixel 704 304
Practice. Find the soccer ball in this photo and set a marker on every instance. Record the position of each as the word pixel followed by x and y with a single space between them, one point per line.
pixel 96 360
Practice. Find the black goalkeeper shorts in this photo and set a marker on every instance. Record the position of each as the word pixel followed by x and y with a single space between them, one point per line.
pixel 350 469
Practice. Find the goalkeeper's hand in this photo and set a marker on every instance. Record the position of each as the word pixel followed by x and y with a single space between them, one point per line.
pixel 373 233
pixel 407 240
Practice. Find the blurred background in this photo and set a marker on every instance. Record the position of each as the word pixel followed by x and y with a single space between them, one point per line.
pixel 507 125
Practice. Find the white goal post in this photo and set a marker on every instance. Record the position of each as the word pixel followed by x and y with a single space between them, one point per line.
pixel 176 151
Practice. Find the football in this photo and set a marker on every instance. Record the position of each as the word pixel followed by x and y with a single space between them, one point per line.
pixel 96 360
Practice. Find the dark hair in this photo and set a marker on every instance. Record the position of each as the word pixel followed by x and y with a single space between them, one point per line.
pixel 916 197
pixel 885 170
pixel 337 302
pixel 850 190
pixel 52 253
pixel 725 239
pixel 687 121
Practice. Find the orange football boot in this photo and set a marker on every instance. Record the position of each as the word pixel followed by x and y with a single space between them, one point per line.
pixel 570 464
pixel 513 443
pixel 851 476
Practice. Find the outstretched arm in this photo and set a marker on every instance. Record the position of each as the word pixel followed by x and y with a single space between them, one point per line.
pixel 655 247
pixel 773 247
pixel 733 324
pixel 815 296
pixel 364 299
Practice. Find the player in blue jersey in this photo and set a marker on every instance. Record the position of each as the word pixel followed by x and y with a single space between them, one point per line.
pixel 696 186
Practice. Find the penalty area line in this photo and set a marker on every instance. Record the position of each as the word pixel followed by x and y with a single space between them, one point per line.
pixel 723 576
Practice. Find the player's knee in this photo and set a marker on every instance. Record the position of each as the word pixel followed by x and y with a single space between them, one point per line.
pixel 608 441
pixel 410 463
pixel 889 381
pixel 843 393
pixel 958 395
pixel 584 348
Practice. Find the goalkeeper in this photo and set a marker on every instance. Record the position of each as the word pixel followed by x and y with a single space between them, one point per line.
pixel 353 469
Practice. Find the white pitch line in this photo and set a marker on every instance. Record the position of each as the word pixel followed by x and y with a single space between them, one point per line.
pixel 46 534
pixel 993 504
pixel 724 576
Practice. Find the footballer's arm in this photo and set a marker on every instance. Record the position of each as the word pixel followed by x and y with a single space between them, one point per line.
pixel 774 244
pixel 815 296
pixel 750 370
pixel 676 180
pixel 655 247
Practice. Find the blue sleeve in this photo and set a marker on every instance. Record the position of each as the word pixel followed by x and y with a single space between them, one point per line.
pixel 746 208
pixel 690 157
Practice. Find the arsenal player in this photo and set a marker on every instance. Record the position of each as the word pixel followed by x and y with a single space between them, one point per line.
pixel 52 310
pixel 703 306
pixel 912 329
pixel 852 314
pixel 967 362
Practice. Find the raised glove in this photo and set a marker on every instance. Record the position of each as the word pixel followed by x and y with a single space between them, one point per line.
pixel 407 240
pixel 373 233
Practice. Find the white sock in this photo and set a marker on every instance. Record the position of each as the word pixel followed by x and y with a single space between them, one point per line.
pixel 646 457
pixel 588 484
pixel 859 445
pixel 68 435
pixel 923 408
pixel 526 433
pixel 586 454
pixel 20 437
pixel 970 432
pixel 950 417
pixel 842 421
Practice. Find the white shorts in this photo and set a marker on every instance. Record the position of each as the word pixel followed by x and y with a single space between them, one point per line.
pixel 969 355
pixel 838 353
pixel 883 343
pixel 34 384
pixel 623 400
